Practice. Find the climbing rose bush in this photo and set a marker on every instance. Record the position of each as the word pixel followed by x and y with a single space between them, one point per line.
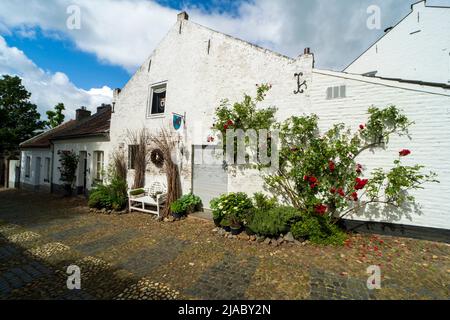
pixel 320 174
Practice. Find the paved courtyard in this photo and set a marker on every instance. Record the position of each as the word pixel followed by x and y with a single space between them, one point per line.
pixel 132 256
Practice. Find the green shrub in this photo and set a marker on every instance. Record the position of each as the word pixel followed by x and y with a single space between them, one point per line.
pixel 319 230
pixel 188 203
pixel 191 202
pixel 137 192
pixel 177 207
pixel 112 196
pixel 235 207
pixel 263 202
pixel 273 222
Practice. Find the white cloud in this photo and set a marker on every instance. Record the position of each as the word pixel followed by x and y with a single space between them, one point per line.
pixel 125 32
pixel 48 88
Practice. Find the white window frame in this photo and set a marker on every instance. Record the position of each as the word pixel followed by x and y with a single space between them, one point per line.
pixel 161 86
pixel 47 166
pixel 28 167
pixel 336 92
pixel 99 158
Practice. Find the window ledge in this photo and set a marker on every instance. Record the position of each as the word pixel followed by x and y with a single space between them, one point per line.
pixel 156 116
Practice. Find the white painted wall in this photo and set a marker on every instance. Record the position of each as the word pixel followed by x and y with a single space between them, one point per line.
pixel 430 145
pixel 198 81
pixel 88 145
pixel 31 180
pixel 405 53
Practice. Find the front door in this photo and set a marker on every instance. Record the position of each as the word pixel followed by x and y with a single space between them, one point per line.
pixel 82 181
pixel 209 180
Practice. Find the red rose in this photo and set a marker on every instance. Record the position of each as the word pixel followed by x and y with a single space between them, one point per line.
pixel 312 179
pixel 321 209
pixel 225 127
pixel 341 192
pixel 229 122
pixel 333 190
pixel 313 185
pixel 361 126
pixel 404 153
pixel 360 183
pixel 331 165
pixel 305 178
pixel 355 196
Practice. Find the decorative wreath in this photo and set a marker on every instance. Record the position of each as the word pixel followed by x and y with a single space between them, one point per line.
pixel 157 157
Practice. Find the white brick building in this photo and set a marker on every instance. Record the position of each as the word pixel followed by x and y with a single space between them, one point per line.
pixel 417 48
pixel 194 68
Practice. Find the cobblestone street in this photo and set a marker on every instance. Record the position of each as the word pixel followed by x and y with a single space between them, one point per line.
pixel 132 256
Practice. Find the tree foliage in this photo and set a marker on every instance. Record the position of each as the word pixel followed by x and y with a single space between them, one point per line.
pixel 19 118
pixel 244 114
pixel 320 174
pixel 55 117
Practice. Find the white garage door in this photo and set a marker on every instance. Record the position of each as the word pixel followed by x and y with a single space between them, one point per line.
pixel 209 180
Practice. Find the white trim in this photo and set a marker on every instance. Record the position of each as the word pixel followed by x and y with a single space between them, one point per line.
pixel 159 87
pixel 387 83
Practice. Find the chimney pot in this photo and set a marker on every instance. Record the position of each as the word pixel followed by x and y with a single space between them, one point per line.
pixel 307 51
pixel 182 16
pixel 82 113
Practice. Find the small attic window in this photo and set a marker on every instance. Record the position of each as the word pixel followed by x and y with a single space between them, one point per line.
pixel 336 92
pixel 157 100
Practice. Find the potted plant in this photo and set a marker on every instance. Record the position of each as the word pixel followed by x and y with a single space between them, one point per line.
pixel 191 202
pixel 178 209
pixel 226 224
pixel 235 223
pixel 137 193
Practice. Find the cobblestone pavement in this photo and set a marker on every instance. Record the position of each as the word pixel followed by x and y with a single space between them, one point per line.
pixel 132 256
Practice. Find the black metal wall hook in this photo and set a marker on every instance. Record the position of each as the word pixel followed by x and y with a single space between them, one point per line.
pixel 300 84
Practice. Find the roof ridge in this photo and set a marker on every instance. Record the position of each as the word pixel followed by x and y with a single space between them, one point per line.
pixel 255 46
pixel 48 132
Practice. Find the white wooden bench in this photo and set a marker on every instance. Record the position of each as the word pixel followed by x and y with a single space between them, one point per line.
pixel 154 197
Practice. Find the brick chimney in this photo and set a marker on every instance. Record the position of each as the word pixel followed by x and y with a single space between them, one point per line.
pixel 103 107
pixel 306 60
pixel 82 113
pixel 182 16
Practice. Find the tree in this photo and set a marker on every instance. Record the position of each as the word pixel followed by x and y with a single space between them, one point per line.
pixel 55 117
pixel 19 118
pixel 320 174
pixel 68 169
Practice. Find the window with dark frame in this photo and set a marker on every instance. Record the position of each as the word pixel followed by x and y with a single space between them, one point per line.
pixel 132 152
pixel 158 100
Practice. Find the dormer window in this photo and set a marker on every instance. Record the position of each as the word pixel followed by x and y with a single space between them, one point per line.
pixel 157 103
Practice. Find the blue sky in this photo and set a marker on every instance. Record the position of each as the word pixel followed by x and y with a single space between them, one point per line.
pixel 62 55
pixel 81 67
